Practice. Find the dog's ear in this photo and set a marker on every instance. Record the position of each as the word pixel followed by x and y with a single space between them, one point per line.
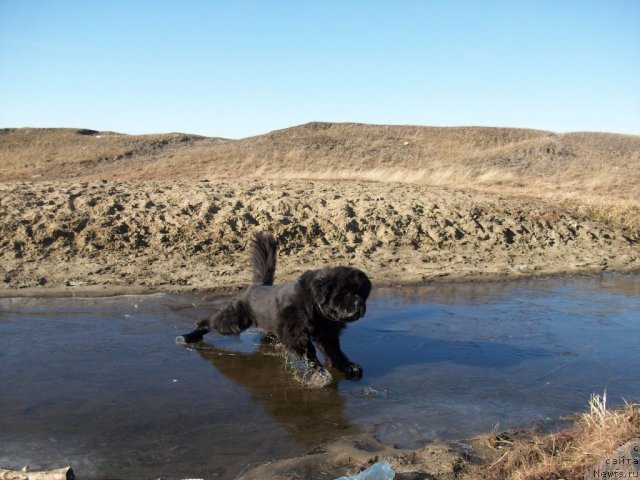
pixel 319 283
pixel 364 285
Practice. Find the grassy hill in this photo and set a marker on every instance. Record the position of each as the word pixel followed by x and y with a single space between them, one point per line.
pixel 596 171
pixel 63 153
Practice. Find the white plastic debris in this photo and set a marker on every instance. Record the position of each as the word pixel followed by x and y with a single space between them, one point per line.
pixel 378 471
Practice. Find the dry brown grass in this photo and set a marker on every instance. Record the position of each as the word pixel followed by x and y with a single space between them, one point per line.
pixel 594 174
pixel 606 197
pixel 567 454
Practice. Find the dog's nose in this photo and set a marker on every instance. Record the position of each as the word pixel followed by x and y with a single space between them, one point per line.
pixel 360 306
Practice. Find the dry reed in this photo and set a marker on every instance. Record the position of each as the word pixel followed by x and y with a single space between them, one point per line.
pixel 567 454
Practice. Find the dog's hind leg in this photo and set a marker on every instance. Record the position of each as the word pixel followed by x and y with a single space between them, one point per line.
pixel 231 320
pixel 194 336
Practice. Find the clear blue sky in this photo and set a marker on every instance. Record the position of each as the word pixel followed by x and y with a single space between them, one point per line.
pixel 240 68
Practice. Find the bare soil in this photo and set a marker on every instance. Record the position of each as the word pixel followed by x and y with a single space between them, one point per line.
pixel 348 456
pixel 160 236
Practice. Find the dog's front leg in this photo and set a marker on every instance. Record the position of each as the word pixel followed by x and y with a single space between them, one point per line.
pixel 298 340
pixel 311 373
pixel 330 346
pixel 306 350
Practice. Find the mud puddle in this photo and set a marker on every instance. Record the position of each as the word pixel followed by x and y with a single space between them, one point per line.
pixel 99 384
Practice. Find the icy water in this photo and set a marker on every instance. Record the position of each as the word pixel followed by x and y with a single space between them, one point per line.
pixel 100 384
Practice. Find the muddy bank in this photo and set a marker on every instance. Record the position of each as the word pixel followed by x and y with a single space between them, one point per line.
pixel 161 236
pixel 348 456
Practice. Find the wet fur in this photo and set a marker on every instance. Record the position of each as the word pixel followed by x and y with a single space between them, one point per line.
pixel 317 308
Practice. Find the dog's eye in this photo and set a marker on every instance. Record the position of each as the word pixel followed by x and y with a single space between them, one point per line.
pixel 328 293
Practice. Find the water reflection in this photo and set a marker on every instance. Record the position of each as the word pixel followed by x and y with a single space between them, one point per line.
pixel 310 415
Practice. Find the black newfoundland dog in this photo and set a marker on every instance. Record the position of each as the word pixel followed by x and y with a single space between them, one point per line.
pixel 317 307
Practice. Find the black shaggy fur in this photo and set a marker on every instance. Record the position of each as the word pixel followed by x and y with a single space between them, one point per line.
pixel 317 307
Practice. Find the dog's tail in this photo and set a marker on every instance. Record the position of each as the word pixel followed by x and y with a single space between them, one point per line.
pixel 263 258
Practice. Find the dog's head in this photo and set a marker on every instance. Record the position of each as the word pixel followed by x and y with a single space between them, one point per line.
pixel 339 293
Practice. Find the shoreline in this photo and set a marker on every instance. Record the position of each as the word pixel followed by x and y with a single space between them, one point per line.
pixel 105 291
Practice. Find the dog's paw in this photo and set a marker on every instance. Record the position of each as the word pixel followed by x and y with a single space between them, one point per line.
pixel 353 372
pixel 310 374
pixel 316 378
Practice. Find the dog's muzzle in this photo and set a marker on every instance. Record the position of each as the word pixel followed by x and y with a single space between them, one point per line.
pixel 360 307
pixel 356 311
